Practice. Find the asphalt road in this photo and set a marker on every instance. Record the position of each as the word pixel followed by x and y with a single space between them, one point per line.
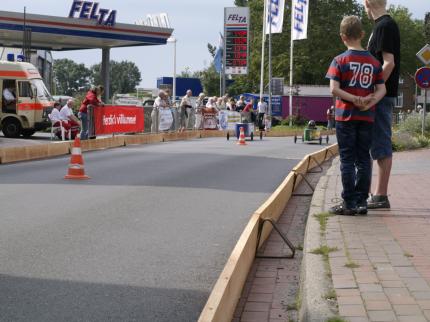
pixel 143 240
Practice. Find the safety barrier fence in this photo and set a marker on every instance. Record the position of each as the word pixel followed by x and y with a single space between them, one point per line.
pixel 226 293
pixel 54 149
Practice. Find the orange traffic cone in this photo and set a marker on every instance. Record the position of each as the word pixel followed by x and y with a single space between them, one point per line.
pixel 242 137
pixel 76 166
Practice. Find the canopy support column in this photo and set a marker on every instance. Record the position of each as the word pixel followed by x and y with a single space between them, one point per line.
pixel 105 73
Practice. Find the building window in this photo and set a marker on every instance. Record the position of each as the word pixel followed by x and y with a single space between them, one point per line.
pixel 399 101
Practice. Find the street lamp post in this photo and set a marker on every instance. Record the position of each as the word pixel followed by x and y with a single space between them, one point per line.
pixel 173 40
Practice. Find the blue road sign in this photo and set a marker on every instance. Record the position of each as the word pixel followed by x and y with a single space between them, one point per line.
pixel 422 77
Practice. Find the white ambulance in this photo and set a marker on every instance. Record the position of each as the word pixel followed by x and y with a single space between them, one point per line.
pixel 25 100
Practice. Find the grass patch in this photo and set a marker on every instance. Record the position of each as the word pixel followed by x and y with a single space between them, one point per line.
pixel 324 250
pixel 298 300
pixel 336 319
pixel 408 254
pixel 331 295
pixel 352 264
pixel 292 307
pixel 287 128
pixel 323 219
pixel 299 247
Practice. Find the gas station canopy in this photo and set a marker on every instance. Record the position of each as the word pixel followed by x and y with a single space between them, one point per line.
pixel 85 32
pixel 61 33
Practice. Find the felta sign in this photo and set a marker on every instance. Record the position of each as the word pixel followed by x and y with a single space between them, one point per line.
pixel 90 10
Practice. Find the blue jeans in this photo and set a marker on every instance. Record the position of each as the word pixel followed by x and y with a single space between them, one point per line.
pixel 381 144
pixel 354 139
pixel 84 120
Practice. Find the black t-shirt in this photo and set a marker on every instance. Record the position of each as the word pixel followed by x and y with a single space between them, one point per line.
pixel 386 38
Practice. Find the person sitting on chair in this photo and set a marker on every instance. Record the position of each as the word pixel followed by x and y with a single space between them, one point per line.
pixel 56 120
pixel 9 98
pixel 67 116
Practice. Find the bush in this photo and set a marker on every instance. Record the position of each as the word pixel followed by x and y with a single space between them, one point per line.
pixel 413 125
pixel 423 141
pixel 298 120
pixel 404 141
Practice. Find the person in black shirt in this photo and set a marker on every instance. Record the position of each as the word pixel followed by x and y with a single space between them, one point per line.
pixel 384 45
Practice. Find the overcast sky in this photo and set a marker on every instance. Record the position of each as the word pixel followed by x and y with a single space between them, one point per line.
pixel 196 22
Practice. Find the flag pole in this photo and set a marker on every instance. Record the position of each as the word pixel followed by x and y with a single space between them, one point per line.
pixel 263 41
pixel 291 68
pixel 220 84
pixel 270 64
pixel 224 58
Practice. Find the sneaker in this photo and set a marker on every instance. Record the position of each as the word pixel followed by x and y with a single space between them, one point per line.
pixel 362 209
pixel 376 202
pixel 342 210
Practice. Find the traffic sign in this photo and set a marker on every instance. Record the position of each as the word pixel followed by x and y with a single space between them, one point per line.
pixel 424 54
pixel 422 77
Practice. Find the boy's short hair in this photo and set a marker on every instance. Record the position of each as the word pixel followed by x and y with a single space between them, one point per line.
pixel 351 27
pixel 377 3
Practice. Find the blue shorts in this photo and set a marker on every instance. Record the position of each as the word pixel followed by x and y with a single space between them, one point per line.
pixel 381 143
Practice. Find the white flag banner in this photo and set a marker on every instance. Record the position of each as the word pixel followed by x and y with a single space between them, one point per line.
pixel 275 10
pixel 299 19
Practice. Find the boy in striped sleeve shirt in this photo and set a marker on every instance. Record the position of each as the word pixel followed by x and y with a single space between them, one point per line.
pixel 357 82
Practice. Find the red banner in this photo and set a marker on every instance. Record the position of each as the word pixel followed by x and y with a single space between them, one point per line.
pixel 118 119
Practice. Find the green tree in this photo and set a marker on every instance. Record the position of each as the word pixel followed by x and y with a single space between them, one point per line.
pixel 70 77
pixel 412 39
pixel 210 80
pixel 427 27
pixel 212 50
pixel 241 3
pixel 186 73
pixel 124 76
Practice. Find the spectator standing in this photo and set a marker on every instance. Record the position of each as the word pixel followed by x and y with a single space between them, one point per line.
pixel 66 115
pixel 199 111
pixel 220 104
pixel 160 102
pixel 356 79
pixel 211 105
pixel 262 110
pixel 231 105
pixel 240 104
pixel 91 100
pixel 210 122
pixel 248 111
pixel 384 45
pixel 330 118
pixel 186 109
pixel 172 108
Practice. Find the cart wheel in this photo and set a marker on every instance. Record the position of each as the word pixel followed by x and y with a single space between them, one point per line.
pixel 252 136
pixel 326 139
pixel 320 140
pixel 295 138
pixel 261 135
pixel 228 136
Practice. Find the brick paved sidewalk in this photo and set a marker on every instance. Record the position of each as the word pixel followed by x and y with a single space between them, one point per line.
pixel 270 293
pixel 387 252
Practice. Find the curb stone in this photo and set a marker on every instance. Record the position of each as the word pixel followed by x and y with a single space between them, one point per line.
pixel 314 281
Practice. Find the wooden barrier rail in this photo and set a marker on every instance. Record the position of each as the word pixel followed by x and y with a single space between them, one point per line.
pixel 228 288
pixel 54 149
